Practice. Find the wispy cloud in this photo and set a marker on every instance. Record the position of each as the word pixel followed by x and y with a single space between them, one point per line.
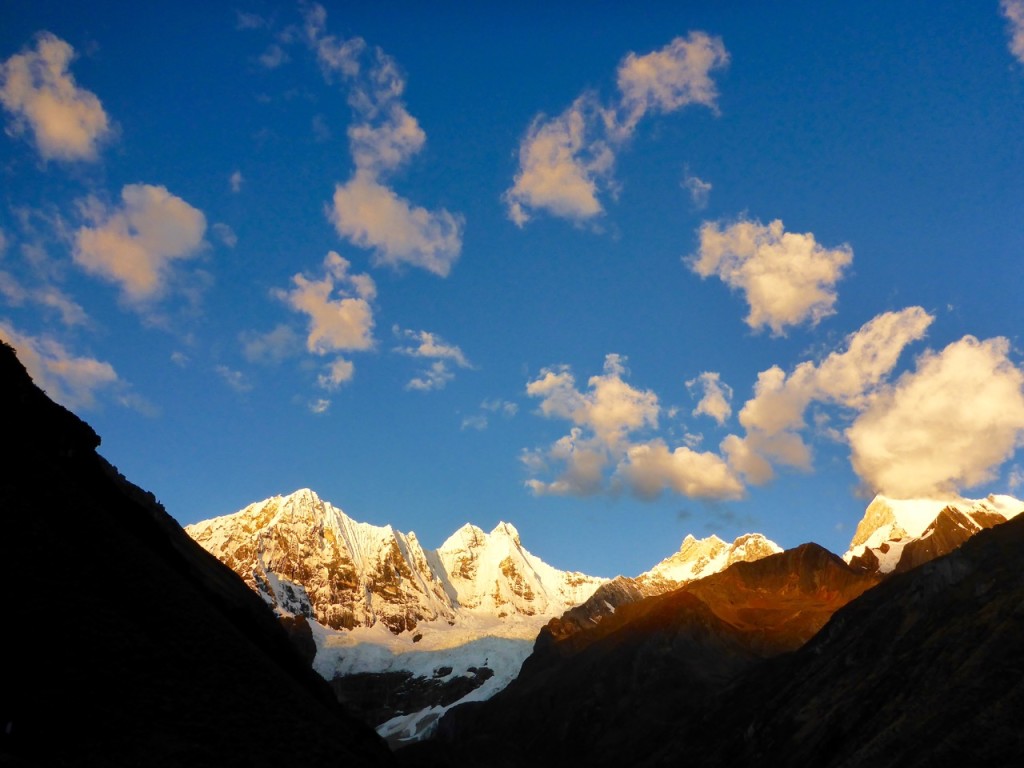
pixel 237 380
pixel 566 162
pixel 431 347
pixel 383 138
pixel 73 380
pixel 40 95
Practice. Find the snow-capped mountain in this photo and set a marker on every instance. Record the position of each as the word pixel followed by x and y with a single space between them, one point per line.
pixel 443 626
pixel 307 557
pixel 896 535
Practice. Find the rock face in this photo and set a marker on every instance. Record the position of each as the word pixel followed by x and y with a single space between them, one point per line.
pixel 696 559
pixel 896 535
pixel 307 557
pixel 133 646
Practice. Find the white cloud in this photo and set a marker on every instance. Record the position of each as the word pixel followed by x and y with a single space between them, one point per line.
pixel 48 296
pixel 338 372
pixel 436 376
pixel 383 138
pixel 605 418
pixel 787 278
pixel 699 190
pixel 477 421
pixel 271 347
pixel 774 417
pixel 650 468
pixel 671 78
pixel 235 181
pixel 506 408
pixel 320 405
pixel 67 122
pixel 73 381
pixel 135 245
pixel 180 359
pixel 716 396
pixel 565 163
pixel 1015 479
pixel 948 424
pixel 373 216
pixel 560 167
pixel 1013 10
pixel 335 324
pixel 427 344
pixel 432 347
pixel 234 379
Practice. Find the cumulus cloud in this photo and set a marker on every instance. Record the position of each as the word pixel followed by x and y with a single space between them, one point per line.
pixel 383 138
pixel 320 405
pixel 339 324
pixel 787 278
pixel 480 421
pixel 565 162
pixel 136 244
pixel 371 215
pixel 605 417
pixel 338 372
pixel 1013 10
pixel 561 164
pixel 40 95
pixel 72 380
pixel 671 78
pixel 948 424
pixel 716 396
pixel 650 468
pixel 774 417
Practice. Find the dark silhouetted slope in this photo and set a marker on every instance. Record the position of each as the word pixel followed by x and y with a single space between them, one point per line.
pixel 611 694
pixel 124 643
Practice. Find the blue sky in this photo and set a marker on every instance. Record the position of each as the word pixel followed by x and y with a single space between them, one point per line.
pixel 612 276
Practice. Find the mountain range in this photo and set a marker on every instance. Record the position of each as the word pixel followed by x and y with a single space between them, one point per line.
pixel 129 644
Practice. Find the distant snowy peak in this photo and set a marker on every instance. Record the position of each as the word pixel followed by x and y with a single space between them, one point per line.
pixel 698 558
pixel 307 557
pixel 898 534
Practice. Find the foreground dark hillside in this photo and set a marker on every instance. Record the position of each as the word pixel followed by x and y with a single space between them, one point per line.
pixel 124 643
pixel 610 695
pixel 925 669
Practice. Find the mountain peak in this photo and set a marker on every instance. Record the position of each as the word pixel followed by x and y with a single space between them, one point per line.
pixel 507 530
pixel 897 534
